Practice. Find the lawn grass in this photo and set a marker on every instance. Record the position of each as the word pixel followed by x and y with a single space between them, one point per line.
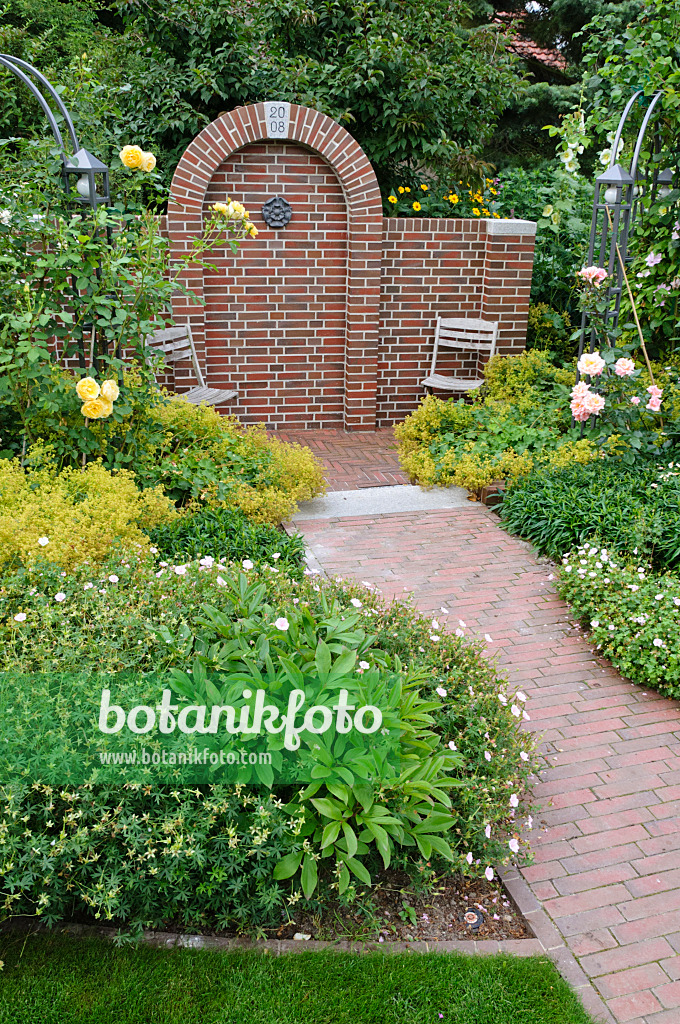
pixel 61 980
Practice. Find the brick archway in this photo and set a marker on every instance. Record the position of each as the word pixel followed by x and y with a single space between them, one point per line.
pixel 318 133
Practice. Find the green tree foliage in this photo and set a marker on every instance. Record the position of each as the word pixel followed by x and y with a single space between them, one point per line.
pixel 407 78
pixel 560 26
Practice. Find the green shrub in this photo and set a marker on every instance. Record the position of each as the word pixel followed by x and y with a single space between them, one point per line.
pixel 134 614
pixel 549 330
pixel 634 510
pixel 205 458
pixel 527 378
pixel 74 516
pixel 633 613
pixel 228 535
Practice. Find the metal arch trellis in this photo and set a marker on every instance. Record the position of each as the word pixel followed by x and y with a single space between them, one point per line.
pixel 618 193
pixel 81 165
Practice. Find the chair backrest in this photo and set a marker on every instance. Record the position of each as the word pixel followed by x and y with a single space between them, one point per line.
pixel 465 333
pixel 176 343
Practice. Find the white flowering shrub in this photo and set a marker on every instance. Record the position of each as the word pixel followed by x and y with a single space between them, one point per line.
pixel 632 612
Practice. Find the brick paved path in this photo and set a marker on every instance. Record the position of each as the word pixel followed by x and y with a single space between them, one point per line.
pixel 607 850
pixel 353 461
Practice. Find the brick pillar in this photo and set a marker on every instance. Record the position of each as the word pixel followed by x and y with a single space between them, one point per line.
pixel 508 266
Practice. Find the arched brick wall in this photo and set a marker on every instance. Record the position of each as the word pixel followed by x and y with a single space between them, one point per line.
pixel 205 167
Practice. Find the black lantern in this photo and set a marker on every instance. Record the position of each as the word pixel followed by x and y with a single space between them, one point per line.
pixel 85 168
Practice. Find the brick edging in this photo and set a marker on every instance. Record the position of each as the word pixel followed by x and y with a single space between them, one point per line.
pixel 552 944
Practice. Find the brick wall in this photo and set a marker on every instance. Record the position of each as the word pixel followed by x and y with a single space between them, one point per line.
pixel 330 320
pixel 433 267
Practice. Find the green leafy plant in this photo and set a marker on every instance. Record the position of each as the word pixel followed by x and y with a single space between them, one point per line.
pixel 630 510
pixel 631 612
pixel 228 535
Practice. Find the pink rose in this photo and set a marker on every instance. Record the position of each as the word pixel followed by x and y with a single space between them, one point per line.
pixel 591 364
pixel 654 403
pixel 624 367
pixel 635 400
pixel 655 391
pixel 593 275
pixel 594 404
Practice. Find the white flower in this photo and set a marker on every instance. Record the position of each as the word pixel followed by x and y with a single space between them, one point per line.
pixel 594 623
pixel 276 555
pixel 523 754
pixel 43 541
pixel 364 665
pixel 502 698
pixel 521 696
pixel 487 831
pixel 441 691
pixel 452 745
pixel 208 561
pixel 154 551
pixel 659 597
pixel 356 602
pixel 5 217
pixel 20 617
pixel 657 642
pixel 282 624
pixel 489 874
pixel 113 578
pixel 487 755
pixel 444 611
pixel 435 624
pixel 247 564
pixel 514 801
pixel 180 569
pixel 514 845
pixel 515 711
pixel 461 623
pixel 488 638
pixel 469 858
pixel 435 637
pixel 221 582
pixel 60 597
pixel 526 717
pixel 88 586
pixel 460 632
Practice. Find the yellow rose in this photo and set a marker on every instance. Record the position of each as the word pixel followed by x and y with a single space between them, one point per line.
pixel 253 231
pixel 107 407
pixel 87 389
pixel 131 156
pixel 94 409
pixel 220 208
pixel 148 162
pixel 110 390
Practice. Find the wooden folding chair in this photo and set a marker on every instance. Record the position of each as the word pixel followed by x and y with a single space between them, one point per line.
pixel 466 335
pixel 176 343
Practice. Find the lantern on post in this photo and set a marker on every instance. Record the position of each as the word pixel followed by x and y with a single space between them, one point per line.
pixel 86 168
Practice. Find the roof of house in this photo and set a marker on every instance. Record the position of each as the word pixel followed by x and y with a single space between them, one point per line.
pixel 527 48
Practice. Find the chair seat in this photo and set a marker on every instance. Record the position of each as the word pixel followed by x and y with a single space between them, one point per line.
pixel 438 380
pixel 210 396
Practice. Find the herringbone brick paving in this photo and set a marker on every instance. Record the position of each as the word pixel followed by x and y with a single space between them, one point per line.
pixel 353 460
pixel 607 842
